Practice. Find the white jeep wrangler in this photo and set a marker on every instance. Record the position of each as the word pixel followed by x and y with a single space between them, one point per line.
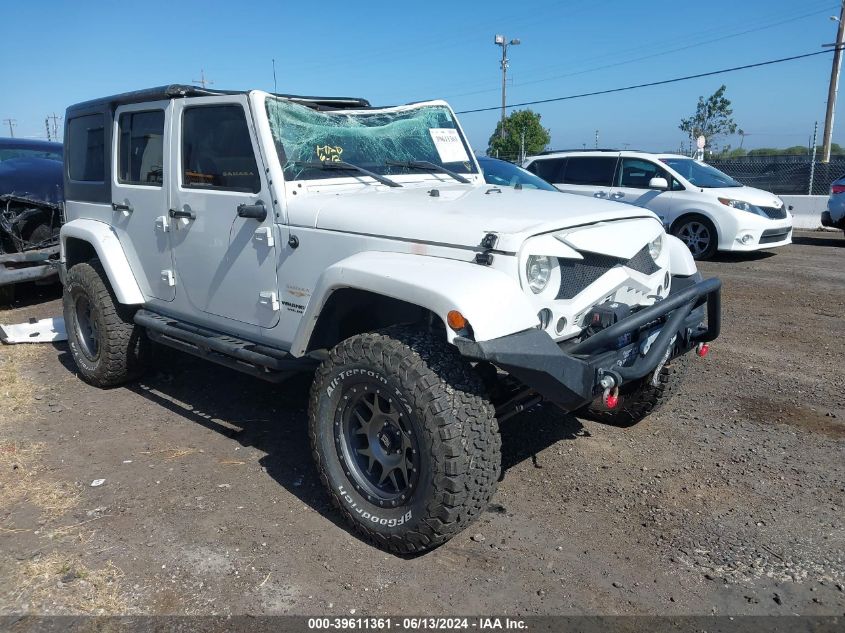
pixel 275 234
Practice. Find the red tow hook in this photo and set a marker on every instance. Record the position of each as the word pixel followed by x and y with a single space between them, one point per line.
pixel 702 350
pixel 611 397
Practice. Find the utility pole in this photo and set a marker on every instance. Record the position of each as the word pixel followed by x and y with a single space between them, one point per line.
pixel 275 90
pixel 597 139
pixel 47 125
pixel 501 40
pixel 833 89
pixel 11 123
pixel 55 119
pixel 202 81
pixel 813 159
pixel 521 147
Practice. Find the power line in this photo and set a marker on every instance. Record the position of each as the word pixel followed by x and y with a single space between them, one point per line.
pixel 650 84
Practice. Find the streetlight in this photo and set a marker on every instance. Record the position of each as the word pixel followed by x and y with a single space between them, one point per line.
pixel 501 40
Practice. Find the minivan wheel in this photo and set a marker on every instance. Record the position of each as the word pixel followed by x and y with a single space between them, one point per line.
pixel 699 234
pixel 403 439
pixel 108 348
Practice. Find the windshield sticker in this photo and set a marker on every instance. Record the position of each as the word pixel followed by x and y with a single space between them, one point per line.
pixel 329 153
pixel 448 144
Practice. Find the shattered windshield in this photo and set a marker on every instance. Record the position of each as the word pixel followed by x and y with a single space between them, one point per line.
pixel 306 137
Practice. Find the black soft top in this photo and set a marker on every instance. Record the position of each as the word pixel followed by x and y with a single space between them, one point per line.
pixel 176 91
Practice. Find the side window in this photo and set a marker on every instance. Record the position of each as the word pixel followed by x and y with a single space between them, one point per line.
pixel 141 151
pixel 86 148
pixel 637 173
pixel 590 170
pixel 549 169
pixel 217 151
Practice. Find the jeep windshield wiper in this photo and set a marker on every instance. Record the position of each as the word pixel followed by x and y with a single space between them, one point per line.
pixel 344 166
pixel 426 166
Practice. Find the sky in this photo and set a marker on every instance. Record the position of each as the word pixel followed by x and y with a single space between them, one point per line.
pixel 59 53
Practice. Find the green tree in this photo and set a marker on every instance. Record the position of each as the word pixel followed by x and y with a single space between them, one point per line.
pixel 712 118
pixel 509 145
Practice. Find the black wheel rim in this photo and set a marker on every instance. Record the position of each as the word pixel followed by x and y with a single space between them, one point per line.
pixel 696 236
pixel 377 444
pixel 86 327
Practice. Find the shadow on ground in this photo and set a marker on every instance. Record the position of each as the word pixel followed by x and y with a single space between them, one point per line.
pixel 273 418
pixel 823 239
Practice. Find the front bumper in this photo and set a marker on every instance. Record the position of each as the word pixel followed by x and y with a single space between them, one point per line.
pixel 829 222
pixel 29 265
pixel 570 374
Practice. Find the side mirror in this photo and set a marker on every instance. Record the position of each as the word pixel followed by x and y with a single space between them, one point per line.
pixel 658 183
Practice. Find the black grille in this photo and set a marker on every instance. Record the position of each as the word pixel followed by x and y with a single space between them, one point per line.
pixel 575 275
pixel 774 235
pixel 642 262
pixel 775 213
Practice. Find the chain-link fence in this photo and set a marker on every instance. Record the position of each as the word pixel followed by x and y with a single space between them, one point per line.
pixel 783 175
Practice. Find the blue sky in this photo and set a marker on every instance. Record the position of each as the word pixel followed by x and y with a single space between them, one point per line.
pixel 58 53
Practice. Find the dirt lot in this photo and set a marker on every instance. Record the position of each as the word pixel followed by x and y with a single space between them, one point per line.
pixel 730 500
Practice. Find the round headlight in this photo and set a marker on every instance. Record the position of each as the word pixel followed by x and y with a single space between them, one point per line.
pixel 655 247
pixel 538 271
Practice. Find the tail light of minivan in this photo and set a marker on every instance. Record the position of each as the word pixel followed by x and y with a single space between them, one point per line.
pixel 834 189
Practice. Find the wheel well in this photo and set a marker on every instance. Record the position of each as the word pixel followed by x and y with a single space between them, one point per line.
pixel 693 214
pixel 77 250
pixel 350 311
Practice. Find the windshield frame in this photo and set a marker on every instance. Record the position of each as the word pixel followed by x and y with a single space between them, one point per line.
pixel 669 161
pixel 330 177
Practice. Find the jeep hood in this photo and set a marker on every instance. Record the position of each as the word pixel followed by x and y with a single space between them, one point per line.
pixel 458 215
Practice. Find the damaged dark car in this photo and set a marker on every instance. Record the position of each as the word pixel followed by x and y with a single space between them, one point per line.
pixel 31 211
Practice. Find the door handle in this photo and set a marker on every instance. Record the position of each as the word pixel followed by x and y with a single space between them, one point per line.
pixel 255 211
pixel 183 215
pixel 618 195
pixel 600 194
pixel 120 206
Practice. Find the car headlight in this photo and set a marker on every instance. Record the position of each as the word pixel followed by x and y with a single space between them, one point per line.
pixel 655 247
pixel 538 271
pixel 742 206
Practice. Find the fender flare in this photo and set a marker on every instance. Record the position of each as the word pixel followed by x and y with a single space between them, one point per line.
pixel 681 261
pixel 110 253
pixel 492 302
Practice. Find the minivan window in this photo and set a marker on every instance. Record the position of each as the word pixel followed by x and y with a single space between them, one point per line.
pixel 86 148
pixel 699 174
pixel 590 170
pixel 549 169
pixel 141 151
pixel 636 173
pixel 217 151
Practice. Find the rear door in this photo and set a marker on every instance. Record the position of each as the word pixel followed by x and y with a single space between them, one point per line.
pixel 140 194
pixel 631 185
pixel 225 260
pixel 588 175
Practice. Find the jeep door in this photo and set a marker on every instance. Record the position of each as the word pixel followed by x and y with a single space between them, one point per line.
pixel 222 214
pixel 631 185
pixel 140 193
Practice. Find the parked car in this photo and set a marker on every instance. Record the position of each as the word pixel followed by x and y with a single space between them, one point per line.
pixel 834 216
pixel 706 209
pixel 274 234
pixel 30 211
pixel 501 172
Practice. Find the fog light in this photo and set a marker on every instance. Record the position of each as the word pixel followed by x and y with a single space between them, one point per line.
pixel 561 325
pixel 545 316
pixel 746 239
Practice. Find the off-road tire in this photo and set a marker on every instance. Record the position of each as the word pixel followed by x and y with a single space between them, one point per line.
pixel 121 345
pixel 641 398
pixel 456 432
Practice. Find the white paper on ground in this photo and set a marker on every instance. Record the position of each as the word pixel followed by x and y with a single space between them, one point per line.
pixel 42 331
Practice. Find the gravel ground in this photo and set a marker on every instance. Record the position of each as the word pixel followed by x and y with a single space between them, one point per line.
pixel 729 500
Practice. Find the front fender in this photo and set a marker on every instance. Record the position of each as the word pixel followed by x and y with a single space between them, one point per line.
pixel 681 261
pixel 492 302
pixel 110 253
